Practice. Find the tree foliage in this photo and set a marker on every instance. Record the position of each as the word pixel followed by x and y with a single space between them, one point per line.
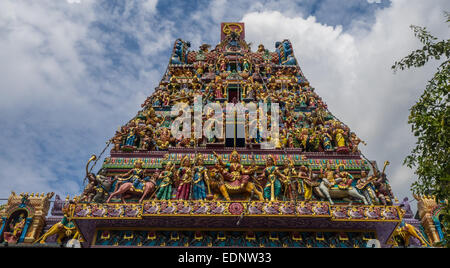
pixel 430 122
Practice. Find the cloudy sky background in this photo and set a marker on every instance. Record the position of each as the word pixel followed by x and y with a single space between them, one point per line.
pixel 73 71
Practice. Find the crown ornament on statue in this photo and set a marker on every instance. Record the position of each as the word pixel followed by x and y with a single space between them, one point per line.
pixel 339 166
pixel 139 163
pixel 235 154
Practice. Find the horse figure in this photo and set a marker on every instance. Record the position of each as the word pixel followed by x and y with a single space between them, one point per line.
pixel 336 184
pixel 129 189
pixel 324 191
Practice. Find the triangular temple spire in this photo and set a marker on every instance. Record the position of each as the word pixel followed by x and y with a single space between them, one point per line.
pixel 231 131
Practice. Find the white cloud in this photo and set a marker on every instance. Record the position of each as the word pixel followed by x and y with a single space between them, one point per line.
pixel 62 96
pixel 150 5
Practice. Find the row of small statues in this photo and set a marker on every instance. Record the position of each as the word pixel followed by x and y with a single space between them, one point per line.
pixel 195 181
pixel 312 132
pixel 220 60
pixel 65 229
pixel 217 90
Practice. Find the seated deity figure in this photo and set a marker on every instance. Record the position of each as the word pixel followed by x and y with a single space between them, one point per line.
pixel 366 187
pixel 261 48
pixel 219 91
pixel 236 178
pixel 236 175
pixel 16 228
pixel 164 139
pixel 344 178
pixel 328 176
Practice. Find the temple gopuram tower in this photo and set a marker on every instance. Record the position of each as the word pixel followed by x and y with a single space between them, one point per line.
pixel 234 148
pixel 308 187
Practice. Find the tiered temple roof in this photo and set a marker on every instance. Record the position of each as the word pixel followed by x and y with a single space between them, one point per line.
pixel 305 185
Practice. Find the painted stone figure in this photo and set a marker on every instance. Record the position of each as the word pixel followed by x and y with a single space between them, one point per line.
pixel 383 189
pixel 329 190
pixel 272 189
pixel 290 186
pixel 200 180
pixel 16 226
pixel 133 182
pixel 236 178
pixel 184 175
pixel 63 229
pixel 164 191
pixel 309 182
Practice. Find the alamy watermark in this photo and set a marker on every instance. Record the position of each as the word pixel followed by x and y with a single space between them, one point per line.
pixel 242 121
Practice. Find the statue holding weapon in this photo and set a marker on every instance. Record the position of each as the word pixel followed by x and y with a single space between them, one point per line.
pixel 383 189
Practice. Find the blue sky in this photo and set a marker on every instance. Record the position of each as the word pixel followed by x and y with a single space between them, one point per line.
pixel 73 71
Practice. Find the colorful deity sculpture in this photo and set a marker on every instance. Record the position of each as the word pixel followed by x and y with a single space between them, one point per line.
pixel 328 176
pixel 184 175
pixel 134 182
pixel 236 178
pixel 383 189
pixel 261 49
pixel 246 65
pixel 326 140
pixel 344 178
pixel 218 92
pixel 16 226
pixel 329 186
pixel 291 175
pixel 273 176
pixel 164 191
pixel 117 140
pixel 164 139
pixel 403 234
pixel 366 187
pixel 200 189
pixel 63 229
pixel 132 176
pixel 222 65
pixel 339 137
